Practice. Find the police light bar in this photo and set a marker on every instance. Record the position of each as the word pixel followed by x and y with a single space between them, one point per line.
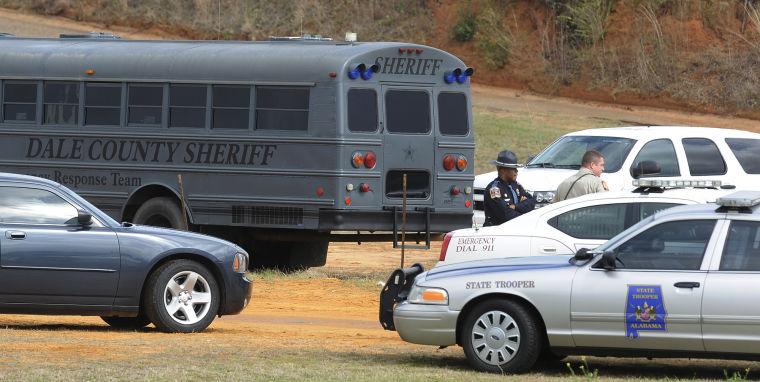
pixel 740 199
pixel 676 183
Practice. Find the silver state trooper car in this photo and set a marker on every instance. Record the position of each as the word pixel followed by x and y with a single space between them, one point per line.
pixel 684 282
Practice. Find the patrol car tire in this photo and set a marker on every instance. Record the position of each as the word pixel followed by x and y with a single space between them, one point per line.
pixel 158 297
pixel 160 212
pixel 127 323
pixel 529 336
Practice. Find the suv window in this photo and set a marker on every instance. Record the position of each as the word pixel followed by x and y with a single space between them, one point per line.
pixel 19 101
pixel 34 206
pixel 676 245
pixel 742 249
pixel 662 152
pixel 648 209
pixel 452 114
pixel 407 111
pixel 747 152
pixel 362 110
pixel 704 157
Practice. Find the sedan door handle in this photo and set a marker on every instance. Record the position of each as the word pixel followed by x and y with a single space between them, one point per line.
pixel 549 249
pixel 687 284
pixel 15 235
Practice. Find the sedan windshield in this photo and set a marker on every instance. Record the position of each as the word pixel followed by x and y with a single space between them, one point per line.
pixel 567 152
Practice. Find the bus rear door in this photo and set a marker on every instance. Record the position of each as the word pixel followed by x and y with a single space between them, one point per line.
pixel 408 142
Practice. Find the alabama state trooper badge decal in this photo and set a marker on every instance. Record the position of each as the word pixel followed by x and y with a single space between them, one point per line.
pixel 644 310
pixel 495 192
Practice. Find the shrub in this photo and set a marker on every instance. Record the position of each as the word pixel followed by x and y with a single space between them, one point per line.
pixel 494 39
pixel 464 29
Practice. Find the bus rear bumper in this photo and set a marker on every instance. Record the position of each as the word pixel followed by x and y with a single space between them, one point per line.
pixel 416 220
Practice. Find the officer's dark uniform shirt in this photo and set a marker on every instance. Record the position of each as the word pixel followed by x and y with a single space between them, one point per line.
pixel 497 198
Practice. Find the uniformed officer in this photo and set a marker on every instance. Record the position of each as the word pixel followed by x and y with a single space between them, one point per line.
pixel 505 199
pixel 586 181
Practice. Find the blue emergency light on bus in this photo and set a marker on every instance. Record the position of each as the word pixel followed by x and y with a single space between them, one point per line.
pixel 363 71
pixel 457 75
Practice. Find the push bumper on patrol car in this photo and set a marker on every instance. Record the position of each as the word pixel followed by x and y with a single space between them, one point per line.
pixel 415 323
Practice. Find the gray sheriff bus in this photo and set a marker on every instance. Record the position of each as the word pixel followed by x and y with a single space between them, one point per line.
pixel 279 144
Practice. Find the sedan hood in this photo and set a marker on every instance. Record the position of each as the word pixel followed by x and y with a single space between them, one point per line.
pixel 532 179
pixel 181 238
pixel 535 263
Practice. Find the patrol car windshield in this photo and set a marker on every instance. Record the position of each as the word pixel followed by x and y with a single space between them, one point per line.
pixel 567 152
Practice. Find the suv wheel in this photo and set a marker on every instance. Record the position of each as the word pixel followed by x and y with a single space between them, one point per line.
pixel 181 296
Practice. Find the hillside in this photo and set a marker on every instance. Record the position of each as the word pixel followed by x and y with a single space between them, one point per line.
pixel 694 55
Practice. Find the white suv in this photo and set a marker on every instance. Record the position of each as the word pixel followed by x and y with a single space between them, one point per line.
pixel 564 227
pixel 732 156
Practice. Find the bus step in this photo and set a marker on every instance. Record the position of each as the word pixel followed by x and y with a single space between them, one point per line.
pixel 396 210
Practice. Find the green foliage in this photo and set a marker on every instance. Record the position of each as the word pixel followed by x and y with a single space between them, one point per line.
pixel 736 375
pixel 494 39
pixel 466 25
pixel 583 370
pixel 586 19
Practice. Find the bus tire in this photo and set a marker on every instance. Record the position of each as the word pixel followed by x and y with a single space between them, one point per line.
pixel 307 254
pixel 160 212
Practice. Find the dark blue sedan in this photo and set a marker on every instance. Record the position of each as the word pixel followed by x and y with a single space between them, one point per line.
pixel 61 255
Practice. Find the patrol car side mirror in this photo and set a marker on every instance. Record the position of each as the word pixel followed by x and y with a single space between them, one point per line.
pixel 583 254
pixel 645 167
pixel 84 218
pixel 608 261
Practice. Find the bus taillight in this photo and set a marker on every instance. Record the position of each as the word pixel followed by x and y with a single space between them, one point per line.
pixel 370 159
pixel 461 163
pixel 357 159
pixel 445 246
pixel 454 191
pixel 448 162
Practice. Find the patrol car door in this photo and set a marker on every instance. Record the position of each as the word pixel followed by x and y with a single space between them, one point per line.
pixel 731 305
pixel 47 260
pixel 408 144
pixel 652 298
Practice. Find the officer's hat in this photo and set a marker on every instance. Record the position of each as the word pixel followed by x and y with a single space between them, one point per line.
pixel 507 159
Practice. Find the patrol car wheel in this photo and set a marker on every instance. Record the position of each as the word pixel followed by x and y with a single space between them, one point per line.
pixel 501 337
pixel 127 323
pixel 160 212
pixel 181 296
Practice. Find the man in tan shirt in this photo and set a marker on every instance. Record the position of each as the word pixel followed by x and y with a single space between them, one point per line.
pixel 586 181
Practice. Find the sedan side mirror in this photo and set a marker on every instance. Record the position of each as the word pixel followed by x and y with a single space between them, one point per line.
pixel 608 261
pixel 84 218
pixel 645 167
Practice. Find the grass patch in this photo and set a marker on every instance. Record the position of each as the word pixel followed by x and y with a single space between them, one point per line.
pixel 525 134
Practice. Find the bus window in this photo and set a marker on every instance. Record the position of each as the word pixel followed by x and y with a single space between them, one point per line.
pixel 362 110
pixel 282 108
pixel 102 104
pixel 20 102
pixel 407 111
pixel 452 114
pixel 61 103
pixel 187 106
pixel 145 104
pixel 231 107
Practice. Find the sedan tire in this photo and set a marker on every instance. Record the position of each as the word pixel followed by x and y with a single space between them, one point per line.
pixel 181 296
pixel 501 337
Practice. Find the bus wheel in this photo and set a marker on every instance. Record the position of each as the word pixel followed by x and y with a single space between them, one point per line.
pixel 160 212
pixel 307 254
